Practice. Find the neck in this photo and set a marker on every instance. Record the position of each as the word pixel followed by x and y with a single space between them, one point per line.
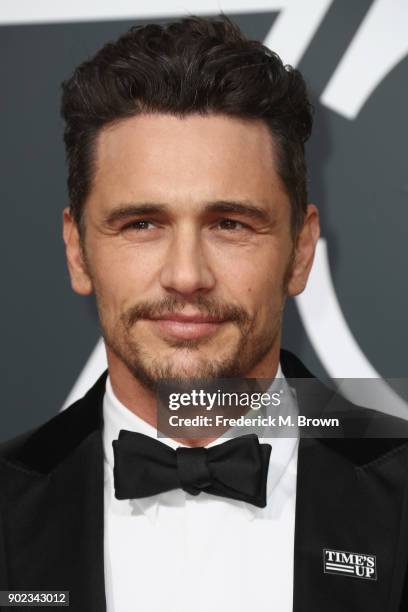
pixel 142 401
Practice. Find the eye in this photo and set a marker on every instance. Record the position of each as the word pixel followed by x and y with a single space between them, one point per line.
pixel 142 224
pixel 231 224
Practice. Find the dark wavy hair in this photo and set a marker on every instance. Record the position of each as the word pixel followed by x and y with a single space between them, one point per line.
pixel 194 65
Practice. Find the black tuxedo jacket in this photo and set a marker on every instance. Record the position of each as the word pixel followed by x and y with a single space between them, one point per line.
pixel 352 495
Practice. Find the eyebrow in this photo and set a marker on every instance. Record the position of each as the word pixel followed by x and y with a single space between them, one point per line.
pixel 124 211
pixel 245 208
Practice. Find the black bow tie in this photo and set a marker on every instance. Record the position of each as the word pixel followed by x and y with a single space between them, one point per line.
pixel 237 468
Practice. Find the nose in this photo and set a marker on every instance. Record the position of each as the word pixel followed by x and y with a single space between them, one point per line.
pixel 186 270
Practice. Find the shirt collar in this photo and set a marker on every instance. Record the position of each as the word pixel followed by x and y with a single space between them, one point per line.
pixel 117 416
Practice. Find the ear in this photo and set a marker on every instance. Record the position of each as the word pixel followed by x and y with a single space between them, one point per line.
pixel 304 251
pixel 80 280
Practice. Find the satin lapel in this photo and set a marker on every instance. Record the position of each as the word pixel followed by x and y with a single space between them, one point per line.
pixel 55 529
pixel 342 506
pixel 54 506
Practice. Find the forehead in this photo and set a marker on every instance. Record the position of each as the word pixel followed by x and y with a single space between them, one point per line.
pixel 160 157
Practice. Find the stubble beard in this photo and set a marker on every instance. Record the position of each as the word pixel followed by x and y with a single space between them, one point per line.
pixel 149 370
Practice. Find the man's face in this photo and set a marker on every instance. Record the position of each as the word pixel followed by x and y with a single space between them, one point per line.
pixel 188 246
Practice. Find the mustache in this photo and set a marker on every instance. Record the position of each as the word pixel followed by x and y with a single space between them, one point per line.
pixel 173 304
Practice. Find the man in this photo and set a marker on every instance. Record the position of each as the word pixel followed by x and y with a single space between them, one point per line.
pixel 189 221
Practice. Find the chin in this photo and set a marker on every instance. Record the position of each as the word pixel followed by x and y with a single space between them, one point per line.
pixel 183 364
pixel 187 364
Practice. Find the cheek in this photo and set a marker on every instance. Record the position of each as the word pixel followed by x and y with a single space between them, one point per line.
pixel 255 282
pixel 121 278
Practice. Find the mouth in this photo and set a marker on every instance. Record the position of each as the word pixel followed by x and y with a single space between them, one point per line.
pixel 186 327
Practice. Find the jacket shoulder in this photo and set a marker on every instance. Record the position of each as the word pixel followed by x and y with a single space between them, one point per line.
pixel 42 448
pixel 364 434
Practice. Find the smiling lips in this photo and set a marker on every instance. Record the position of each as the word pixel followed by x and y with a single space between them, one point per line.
pixel 186 327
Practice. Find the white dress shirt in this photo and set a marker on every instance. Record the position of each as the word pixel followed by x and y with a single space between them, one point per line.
pixel 176 552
